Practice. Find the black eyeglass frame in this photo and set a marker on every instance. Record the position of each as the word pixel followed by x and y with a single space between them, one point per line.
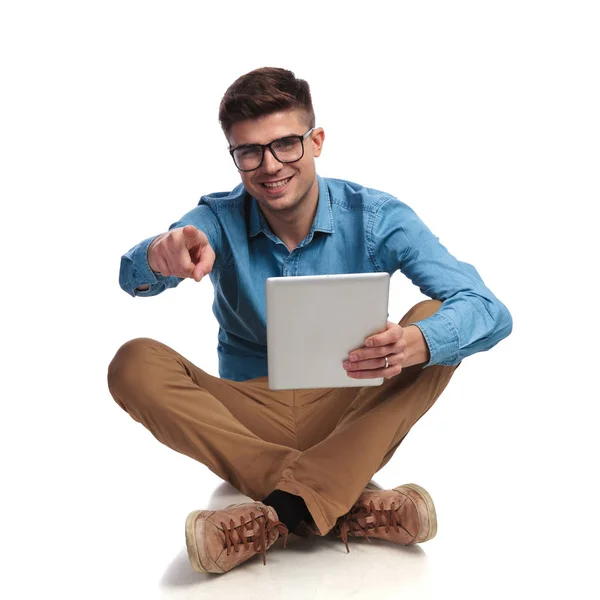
pixel 269 146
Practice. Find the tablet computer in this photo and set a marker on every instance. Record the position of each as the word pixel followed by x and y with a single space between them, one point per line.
pixel 314 322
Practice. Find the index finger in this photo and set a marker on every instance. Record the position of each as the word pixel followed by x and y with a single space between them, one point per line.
pixel 193 236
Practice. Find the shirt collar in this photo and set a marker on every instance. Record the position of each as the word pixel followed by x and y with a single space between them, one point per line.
pixel 323 218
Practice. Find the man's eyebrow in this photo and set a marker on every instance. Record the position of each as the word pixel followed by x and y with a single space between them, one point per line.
pixel 244 145
pixel 277 138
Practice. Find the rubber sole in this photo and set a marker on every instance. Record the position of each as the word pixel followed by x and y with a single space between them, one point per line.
pixel 431 514
pixel 192 543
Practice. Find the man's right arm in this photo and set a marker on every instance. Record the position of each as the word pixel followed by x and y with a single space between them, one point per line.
pixel 165 260
pixel 136 276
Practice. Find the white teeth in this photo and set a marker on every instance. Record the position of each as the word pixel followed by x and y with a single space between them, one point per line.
pixel 276 185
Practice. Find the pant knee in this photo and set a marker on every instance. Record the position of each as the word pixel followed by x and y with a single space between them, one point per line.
pixel 128 365
pixel 421 311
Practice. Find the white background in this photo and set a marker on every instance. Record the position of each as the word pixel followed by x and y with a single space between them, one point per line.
pixel 482 116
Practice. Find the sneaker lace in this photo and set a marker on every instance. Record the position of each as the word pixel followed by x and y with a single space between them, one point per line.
pixel 354 522
pixel 263 528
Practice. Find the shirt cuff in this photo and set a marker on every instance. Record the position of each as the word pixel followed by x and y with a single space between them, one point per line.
pixel 141 271
pixel 442 338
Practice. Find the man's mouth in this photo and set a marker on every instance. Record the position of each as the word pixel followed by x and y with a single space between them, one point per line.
pixel 275 185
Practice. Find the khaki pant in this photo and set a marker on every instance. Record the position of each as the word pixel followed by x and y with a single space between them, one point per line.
pixel 321 444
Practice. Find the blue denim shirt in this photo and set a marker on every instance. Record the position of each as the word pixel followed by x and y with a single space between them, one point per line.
pixel 355 230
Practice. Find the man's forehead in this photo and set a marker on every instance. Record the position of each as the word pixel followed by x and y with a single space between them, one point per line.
pixel 266 129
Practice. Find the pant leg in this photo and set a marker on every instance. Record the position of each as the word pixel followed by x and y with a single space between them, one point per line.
pixel 331 474
pixel 242 431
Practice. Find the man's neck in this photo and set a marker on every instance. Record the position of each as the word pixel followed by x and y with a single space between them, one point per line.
pixel 293 226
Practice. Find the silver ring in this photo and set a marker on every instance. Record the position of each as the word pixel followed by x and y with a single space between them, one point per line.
pixel 387 364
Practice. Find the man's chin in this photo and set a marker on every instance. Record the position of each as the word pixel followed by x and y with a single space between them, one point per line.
pixel 285 202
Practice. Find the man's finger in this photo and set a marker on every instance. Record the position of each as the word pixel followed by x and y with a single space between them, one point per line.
pixel 371 353
pixel 207 260
pixel 374 373
pixel 186 266
pixel 391 335
pixel 193 237
pixel 198 274
pixel 366 365
pixel 204 259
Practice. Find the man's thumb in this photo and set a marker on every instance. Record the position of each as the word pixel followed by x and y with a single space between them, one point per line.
pixel 198 273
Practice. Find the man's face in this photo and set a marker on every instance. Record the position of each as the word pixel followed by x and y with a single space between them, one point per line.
pixel 293 181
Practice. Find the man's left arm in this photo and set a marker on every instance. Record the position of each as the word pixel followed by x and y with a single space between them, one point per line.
pixel 471 318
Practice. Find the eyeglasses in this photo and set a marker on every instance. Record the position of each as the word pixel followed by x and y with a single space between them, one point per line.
pixel 288 149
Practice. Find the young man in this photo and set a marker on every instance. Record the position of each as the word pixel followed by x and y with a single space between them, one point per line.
pixel 306 457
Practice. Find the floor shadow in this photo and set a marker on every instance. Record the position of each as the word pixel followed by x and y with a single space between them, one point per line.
pixel 180 573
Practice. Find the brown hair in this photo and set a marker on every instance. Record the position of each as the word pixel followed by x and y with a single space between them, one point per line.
pixel 262 92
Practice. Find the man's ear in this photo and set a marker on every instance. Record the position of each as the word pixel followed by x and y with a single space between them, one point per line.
pixel 317 139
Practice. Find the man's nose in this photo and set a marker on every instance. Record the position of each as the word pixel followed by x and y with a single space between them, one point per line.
pixel 270 164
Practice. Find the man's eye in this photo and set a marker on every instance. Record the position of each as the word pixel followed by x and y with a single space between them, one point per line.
pixel 286 142
pixel 247 152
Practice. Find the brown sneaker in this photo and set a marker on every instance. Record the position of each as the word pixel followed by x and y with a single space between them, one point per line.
pixel 219 540
pixel 404 515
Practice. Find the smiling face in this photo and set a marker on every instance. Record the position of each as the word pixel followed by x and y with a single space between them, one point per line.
pixel 280 188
